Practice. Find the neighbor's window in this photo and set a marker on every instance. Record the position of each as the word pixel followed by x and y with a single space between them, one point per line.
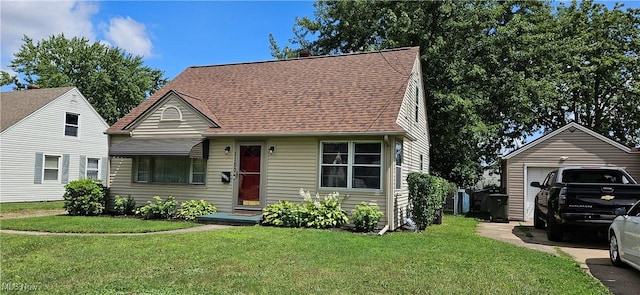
pixel 51 168
pixel 351 165
pixel 398 157
pixel 71 124
pixel 170 170
pixel 93 168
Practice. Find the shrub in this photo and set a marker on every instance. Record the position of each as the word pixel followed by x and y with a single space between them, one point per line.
pixel 191 209
pixel 426 196
pixel 158 209
pixel 284 213
pixel 366 217
pixel 84 197
pixel 326 213
pixel 124 206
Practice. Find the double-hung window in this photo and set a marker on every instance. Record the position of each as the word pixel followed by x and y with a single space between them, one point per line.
pixel 71 124
pixel 351 165
pixel 93 168
pixel 51 169
pixel 169 170
pixel 398 160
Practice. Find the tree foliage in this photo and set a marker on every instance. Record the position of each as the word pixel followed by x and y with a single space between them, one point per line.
pixel 497 72
pixel 113 81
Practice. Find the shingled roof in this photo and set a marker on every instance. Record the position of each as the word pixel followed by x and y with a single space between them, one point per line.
pixel 351 93
pixel 16 105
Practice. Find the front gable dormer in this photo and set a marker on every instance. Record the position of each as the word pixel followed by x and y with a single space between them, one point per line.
pixel 173 114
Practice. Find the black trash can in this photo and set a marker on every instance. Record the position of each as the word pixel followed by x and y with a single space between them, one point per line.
pixel 499 208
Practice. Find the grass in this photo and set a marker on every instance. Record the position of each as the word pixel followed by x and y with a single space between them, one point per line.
pixel 97 224
pixel 31 206
pixel 445 259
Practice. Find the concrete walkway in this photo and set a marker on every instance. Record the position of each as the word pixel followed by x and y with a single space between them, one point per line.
pixel 590 250
pixel 205 227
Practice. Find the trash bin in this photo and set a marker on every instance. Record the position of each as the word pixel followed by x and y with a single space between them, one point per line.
pixel 499 208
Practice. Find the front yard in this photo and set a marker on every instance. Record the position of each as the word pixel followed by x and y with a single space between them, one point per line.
pixel 445 259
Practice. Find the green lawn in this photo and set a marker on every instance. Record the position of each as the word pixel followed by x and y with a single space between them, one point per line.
pixel 446 259
pixel 96 224
pixel 30 206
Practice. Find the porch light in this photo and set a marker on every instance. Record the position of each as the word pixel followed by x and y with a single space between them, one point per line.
pixel 271 149
pixel 227 149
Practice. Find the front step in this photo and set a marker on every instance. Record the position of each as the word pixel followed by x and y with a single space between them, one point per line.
pixel 231 218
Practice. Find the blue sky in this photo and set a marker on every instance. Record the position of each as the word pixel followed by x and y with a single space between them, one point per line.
pixel 170 35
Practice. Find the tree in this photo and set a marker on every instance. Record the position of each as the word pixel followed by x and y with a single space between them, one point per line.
pixel 491 68
pixel 7 79
pixel 113 81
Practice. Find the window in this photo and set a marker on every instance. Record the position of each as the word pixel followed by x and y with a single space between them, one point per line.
pixel 399 152
pixel 171 113
pixel 351 165
pixel 421 163
pixel 51 169
pixel 71 124
pixel 93 168
pixel 417 102
pixel 169 170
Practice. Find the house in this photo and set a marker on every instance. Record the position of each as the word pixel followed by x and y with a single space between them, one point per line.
pixel 243 136
pixel 48 137
pixel 572 144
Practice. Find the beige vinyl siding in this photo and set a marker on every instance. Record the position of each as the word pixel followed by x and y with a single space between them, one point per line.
pixel 291 167
pixel 412 149
pixel 580 147
pixel 43 132
pixel 192 122
pixel 214 190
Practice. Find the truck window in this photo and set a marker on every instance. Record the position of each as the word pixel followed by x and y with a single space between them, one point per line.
pixel 593 176
pixel 550 179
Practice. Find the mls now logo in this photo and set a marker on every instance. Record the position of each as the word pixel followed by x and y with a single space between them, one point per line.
pixel 18 287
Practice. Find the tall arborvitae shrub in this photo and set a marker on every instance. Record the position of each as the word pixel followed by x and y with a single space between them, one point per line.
pixel 426 197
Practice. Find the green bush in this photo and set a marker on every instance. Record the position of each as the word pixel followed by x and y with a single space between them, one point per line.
pixel 283 213
pixel 366 217
pixel 158 209
pixel 426 196
pixel 124 206
pixel 318 213
pixel 84 197
pixel 191 209
pixel 325 213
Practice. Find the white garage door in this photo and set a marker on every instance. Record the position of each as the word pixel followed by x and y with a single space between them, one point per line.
pixel 533 174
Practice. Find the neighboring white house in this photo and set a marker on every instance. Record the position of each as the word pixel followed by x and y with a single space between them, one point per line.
pixel 48 137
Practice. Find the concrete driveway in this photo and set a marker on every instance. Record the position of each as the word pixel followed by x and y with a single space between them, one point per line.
pixel 590 250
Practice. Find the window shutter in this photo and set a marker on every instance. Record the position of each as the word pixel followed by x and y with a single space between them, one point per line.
pixel 65 168
pixel 83 167
pixel 104 171
pixel 37 172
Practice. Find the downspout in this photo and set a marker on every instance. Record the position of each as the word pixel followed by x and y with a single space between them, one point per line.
pixel 388 188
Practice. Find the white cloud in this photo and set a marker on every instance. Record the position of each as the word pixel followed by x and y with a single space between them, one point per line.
pixel 40 20
pixel 129 35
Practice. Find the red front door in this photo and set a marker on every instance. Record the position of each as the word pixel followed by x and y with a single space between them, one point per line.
pixel 249 176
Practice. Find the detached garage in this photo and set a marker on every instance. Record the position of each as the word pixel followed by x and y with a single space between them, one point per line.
pixel 571 145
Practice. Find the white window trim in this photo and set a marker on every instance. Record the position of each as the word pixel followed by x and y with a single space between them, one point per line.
pixel 136 162
pixel 396 166
pixel 350 164
pixel 204 173
pixel 44 167
pixel 64 129
pixel 86 167
pixel 162 119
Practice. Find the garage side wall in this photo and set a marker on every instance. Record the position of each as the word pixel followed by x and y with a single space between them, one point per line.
pixel 579 147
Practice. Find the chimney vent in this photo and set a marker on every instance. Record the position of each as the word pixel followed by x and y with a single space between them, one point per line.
pixel 32 86
pixel 305 53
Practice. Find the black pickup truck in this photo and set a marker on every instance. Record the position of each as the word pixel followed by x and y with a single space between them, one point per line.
pixel 573 197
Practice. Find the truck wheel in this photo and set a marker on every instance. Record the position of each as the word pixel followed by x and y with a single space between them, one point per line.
pixel 554 231
pixel 537 222
pixel 614 253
